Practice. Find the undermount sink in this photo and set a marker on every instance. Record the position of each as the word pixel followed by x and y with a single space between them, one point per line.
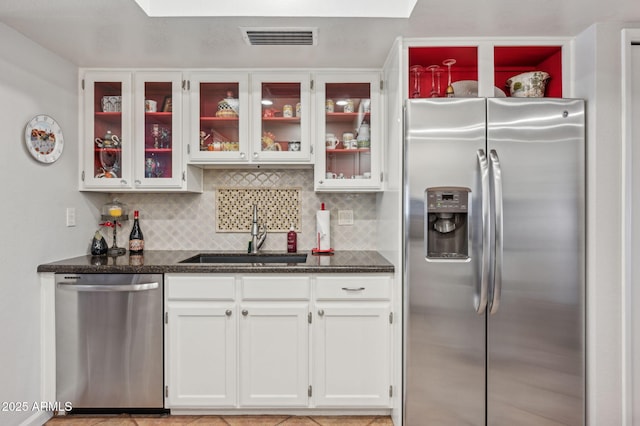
pixel 246 258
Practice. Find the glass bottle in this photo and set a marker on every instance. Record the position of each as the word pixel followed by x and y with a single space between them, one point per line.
pixel 136 239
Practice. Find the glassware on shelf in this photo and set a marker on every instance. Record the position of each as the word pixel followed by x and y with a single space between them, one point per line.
pixel 435 89
pixel 155 133
pixel 416 72
pixel 165 136
pixel 448 63
pixel 151 167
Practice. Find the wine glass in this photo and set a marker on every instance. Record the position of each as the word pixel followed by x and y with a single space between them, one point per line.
pixel 435 91
pixel 416 71
pixel 150 166
pixel 448 63
pixel 155 133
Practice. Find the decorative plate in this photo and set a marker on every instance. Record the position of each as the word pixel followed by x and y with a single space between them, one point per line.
pixel 44 139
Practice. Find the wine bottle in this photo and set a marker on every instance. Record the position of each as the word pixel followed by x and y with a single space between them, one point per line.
pixel 136 240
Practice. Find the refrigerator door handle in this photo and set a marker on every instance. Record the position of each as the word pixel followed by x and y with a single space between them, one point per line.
pixel 497 200
pixel 481 299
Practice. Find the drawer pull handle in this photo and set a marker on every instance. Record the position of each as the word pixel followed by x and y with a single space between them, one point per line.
pixel 353 288
pixel 228 312
pixel 245 312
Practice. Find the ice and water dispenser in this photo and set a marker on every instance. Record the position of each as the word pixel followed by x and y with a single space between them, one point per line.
pixel 446 223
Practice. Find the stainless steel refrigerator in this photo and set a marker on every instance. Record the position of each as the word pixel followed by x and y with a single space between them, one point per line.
pixel 494 279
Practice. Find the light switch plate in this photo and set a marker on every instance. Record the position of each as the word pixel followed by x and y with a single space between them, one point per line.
pixel 71 216
pixel 345 217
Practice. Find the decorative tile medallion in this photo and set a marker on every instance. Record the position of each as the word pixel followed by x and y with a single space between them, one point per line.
pixel 278 208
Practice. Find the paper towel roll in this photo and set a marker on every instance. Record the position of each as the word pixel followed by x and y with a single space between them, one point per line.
pixel 323 223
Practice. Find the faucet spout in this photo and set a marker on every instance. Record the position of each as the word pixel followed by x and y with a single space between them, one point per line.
pixel 258 237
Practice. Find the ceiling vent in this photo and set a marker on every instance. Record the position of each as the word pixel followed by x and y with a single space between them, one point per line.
pixel 280 36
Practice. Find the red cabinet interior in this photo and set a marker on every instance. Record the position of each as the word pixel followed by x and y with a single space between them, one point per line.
pixel 353 161
pixel 465 68
pixel 158 144
pixel 107 118
pixel 219 123
pixel 280 128
pixel 508 62
pixel 513 60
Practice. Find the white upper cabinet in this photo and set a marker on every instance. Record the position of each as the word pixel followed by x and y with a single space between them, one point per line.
pixel 158 130
pixel 348 132
pixel 281 118
pixel 106 143
pixel 218 117
pixel 132 133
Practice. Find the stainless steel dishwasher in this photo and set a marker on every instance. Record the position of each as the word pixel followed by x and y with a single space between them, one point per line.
pixel 109 341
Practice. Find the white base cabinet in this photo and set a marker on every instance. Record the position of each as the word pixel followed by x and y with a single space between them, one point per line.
pixel 274 355
pixel 200 341
pixel 203 359
pixel 352 341
pixel 273 342
pixel 352 355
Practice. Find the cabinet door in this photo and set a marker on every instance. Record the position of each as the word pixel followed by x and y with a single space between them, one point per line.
pixel 158 142
pixel 274 354
pixel 281 118
pixel 219 121
pixel 106 138
pixel 352 353
pixel 201 355
pixel 348 132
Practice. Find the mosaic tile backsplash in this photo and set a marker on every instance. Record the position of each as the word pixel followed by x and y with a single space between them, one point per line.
pixel 190 221
pixel 278 209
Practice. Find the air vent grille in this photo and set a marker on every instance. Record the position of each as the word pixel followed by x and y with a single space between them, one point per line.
pixel 280 36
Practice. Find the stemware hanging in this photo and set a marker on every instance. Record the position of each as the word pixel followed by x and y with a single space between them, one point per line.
pixel 435 89
pixel 448 63
pixel 416 72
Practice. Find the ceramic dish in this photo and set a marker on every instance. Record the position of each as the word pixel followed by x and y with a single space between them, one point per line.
pixel 469 89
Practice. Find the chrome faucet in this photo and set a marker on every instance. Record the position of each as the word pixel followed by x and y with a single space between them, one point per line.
pixel 257 237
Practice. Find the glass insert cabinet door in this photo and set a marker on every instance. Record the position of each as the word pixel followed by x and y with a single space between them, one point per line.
pixel 107 138
pixel 219 131
pixel 349 133
pixel 159 104
pixel 281 128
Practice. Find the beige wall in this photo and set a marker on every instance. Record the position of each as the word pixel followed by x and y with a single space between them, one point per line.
pixel 34 200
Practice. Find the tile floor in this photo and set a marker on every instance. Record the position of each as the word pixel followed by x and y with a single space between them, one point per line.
pixel 153 420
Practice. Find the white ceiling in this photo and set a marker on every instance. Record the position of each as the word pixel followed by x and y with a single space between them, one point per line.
pixel 303 8
pixel 117 33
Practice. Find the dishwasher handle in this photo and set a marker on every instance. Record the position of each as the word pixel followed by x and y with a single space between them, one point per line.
pixel 107 288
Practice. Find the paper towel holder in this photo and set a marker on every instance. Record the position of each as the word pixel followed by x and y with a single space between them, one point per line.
pixel 317 249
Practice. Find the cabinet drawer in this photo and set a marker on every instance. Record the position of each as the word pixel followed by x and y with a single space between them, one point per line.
pixel 276 287
pixel 200 287
pixel 346 287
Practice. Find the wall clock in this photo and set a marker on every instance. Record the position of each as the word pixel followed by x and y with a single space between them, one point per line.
pixel 44 139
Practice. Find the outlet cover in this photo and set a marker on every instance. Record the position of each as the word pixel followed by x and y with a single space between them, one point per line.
pixel 345 217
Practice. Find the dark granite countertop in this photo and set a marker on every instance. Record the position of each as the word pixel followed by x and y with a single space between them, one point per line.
pixel 168 261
